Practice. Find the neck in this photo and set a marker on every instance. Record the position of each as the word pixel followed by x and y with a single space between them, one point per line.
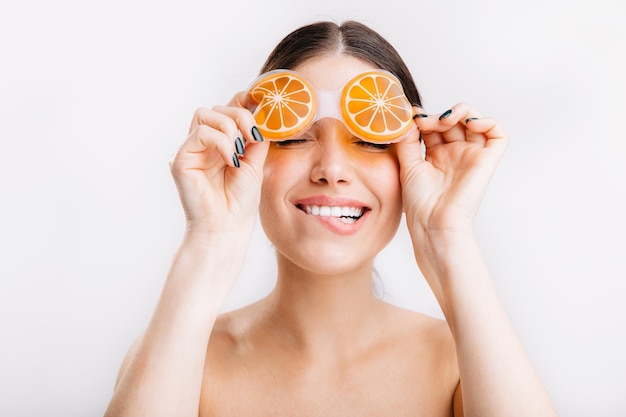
pixel 325 313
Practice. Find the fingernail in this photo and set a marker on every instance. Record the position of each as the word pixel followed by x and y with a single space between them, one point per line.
pixel 420 115
pixel 239 146
pixel 445 114
pixel 236 160
pixel 256 134
pixel 469 119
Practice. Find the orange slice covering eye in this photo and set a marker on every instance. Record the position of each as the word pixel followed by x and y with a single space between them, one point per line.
pixel 374 106
pixel 285 104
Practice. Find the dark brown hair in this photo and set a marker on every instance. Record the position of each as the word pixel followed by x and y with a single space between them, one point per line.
pixel 350 38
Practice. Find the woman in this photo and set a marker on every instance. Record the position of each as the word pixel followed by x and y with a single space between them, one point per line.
pixel 321 343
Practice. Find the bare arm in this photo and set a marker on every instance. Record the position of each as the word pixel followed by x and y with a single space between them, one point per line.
pixel 442 194
pixel 497 376
pixel 163 372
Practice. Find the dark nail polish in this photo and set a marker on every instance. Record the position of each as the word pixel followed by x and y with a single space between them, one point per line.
pixel 239 146
pixel 445 114
pixel 256 134
pixel 469 119
pixel 420 115
pixel 236 160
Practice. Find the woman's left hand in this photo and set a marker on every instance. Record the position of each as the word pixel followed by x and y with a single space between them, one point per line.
pixel 443 191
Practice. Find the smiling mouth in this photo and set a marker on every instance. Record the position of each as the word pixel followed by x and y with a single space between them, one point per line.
pixel 348 215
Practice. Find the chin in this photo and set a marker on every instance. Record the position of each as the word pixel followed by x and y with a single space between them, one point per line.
pixel 327 260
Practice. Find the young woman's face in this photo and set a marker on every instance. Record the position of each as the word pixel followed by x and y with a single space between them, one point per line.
pixel 330 202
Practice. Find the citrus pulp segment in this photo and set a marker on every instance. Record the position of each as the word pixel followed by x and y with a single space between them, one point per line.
pixel 375 108
pixel 285 104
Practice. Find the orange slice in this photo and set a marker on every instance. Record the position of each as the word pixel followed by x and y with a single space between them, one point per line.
pixel 374 106
pixel 285 104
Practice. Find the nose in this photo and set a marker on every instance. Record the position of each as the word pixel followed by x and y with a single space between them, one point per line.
pixel 332 163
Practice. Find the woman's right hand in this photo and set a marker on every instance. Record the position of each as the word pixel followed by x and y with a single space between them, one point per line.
pixel 219 183
pixel 162 374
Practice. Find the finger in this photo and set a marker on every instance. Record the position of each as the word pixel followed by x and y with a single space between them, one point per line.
pixel 423 120
pixel 440 122
pixel 203 143
pixel 237 126
pixel 486 126
pixel 210 117
pixel 236 123
pixel 425 124
pixel 255 156
pixel 432 139
pixel 466 115
pixel 494 135
pixel 238 110
pixel 451 125
pixel 241 100
pixel 244 121
pixel 444 127
pixel 409 149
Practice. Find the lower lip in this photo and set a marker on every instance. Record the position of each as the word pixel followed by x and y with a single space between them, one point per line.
pixel 337 226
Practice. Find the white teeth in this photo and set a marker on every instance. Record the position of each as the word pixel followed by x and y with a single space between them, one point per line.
pixel 346 213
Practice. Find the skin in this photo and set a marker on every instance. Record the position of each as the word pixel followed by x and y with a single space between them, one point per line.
pixel 320 343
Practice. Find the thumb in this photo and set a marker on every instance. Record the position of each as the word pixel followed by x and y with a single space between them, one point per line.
pixel 409 149
pixel 242 99
pixel 256 153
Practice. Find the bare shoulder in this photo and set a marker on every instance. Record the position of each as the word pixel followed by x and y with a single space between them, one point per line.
pixel 432 330
pixel 409 363
pixel 232 355
pixel 424 336
pixel 231 332
pixel 410 332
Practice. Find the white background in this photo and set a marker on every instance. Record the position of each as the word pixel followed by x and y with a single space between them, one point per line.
pixel 96 96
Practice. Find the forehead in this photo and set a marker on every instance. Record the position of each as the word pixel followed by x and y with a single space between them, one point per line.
pixel 330 72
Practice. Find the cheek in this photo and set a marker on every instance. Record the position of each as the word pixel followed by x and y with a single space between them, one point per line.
pixel 268 210
pixel 277 172
pixel 384 176
pixel 386 181
pixel 278 163
pixel 268 188
pixel 278 177
pixel 391 196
